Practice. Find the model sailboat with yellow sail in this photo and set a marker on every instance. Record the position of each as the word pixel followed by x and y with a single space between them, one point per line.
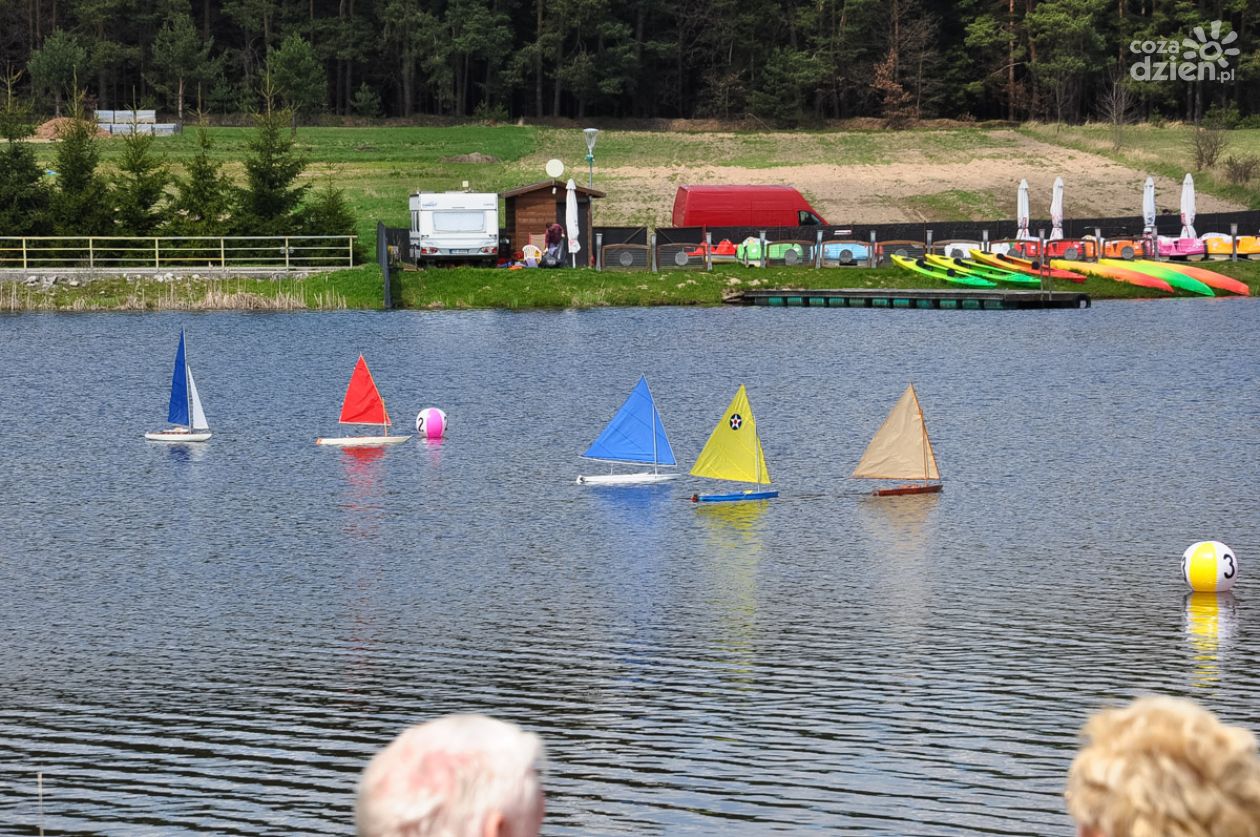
pixel 901 450
pixel 734 453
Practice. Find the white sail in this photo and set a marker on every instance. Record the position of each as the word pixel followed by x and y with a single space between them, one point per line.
pixel 198 415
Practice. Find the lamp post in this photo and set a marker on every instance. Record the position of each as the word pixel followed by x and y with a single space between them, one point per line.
pixel 590 134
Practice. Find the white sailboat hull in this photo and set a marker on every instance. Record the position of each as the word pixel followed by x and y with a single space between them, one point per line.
pixel 624 479
pixel 177 435
pixel 362 441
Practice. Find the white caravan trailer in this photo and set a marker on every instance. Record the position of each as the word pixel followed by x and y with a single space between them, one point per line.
pixel 454 227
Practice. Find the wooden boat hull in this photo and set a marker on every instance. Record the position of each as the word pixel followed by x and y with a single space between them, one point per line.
pixel 362 441
pixel 737 497
pixel 177 436
pixel 908 489
pixel 624 479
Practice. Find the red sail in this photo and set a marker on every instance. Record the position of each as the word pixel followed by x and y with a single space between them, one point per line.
pixel 363 404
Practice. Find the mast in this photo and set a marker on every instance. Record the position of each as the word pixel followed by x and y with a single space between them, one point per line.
pixel 187 390
pixel 652 402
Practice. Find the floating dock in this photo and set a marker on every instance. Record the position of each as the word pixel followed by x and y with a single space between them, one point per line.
pixel 973 300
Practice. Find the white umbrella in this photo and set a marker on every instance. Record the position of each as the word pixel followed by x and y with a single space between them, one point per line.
pixel 1021 211
pixel 571 220
pixel 1056 210
pixel 1187 208
pixel 1148 207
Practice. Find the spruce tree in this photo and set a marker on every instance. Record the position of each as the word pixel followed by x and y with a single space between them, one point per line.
pixel 23 194
pixel 142 181
pixel 80 201
pixel 327 213
pixel 204 197
pixel 270 200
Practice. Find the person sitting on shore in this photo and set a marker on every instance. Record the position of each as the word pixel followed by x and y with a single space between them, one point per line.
pixel 1164 767
pixel 554 241
pixel 458 776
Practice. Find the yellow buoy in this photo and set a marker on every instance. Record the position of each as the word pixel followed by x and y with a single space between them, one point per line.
pixel 1209 567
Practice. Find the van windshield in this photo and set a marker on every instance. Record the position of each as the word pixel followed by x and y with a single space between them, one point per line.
pixel 459 221
pixel 808 219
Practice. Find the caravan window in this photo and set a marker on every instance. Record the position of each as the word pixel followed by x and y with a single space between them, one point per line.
pixel 456 222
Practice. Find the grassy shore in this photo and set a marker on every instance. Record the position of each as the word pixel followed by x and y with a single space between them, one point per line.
pixel 852 176
pixel 465 288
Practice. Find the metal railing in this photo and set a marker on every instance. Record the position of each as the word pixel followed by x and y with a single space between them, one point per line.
pixel 289 252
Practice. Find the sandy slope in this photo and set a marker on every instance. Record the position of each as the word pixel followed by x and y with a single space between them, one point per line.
pixel 903 190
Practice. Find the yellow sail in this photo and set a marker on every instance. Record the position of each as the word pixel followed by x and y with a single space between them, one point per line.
pixel 733 451
pixel 901 449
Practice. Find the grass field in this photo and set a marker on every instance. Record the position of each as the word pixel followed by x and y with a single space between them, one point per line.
pixel 852 176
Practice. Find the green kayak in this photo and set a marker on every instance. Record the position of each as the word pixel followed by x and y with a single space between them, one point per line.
pixel 981 271
pixel 943 274
pixel 1176 278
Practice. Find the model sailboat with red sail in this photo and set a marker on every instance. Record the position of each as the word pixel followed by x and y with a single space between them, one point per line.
pixel 363 405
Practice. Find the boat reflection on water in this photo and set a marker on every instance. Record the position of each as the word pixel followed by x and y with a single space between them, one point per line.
pixel 899 542
pixel 899 524
pixel 186 452
pixel 362 503
pixel 732 551
pixel 1211 619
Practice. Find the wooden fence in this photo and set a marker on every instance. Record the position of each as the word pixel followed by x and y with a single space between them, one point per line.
pixel 291 252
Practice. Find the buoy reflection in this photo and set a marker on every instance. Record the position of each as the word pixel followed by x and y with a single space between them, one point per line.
pixel 1210 623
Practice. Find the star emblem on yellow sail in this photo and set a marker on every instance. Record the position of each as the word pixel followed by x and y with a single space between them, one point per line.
pixel 736 421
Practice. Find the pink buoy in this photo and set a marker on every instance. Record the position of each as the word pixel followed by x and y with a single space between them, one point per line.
pixel 431 423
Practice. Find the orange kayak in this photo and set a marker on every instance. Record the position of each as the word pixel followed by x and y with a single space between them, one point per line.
pixel 1023 266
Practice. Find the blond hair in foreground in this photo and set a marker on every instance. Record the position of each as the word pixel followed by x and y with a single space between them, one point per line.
pixel 1165 767
pixel 458 776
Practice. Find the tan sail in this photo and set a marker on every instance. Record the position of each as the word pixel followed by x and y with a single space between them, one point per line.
pixel 901 449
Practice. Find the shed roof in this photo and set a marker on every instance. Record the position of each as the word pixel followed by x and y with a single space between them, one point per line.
pixel 560 185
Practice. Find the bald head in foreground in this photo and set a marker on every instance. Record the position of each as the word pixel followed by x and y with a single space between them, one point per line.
pixel 459 776
pixel 1164 767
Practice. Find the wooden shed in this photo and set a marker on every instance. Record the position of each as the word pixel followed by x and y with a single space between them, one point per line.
pixel 529 210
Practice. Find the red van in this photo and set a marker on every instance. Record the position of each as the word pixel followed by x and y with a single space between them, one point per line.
pixel 743 206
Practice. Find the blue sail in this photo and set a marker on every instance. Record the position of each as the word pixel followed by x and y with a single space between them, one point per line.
pixel 635 433
pixel 178 413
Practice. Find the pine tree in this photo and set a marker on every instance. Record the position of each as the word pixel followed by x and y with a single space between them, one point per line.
pixel 298 77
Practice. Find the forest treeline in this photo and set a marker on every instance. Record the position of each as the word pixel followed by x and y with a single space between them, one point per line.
pixel 781 61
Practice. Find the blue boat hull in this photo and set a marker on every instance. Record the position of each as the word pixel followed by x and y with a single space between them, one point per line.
pixel 733 498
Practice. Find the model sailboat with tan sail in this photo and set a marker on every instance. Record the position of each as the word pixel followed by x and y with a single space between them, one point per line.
pixel 901 450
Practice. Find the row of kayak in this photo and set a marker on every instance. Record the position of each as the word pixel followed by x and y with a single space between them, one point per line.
pixel 989 270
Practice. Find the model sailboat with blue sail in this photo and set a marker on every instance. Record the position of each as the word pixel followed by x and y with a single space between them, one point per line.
pixel 188 420
pixel 634 436
pixel 734 453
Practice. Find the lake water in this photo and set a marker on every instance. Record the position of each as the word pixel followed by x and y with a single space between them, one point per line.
pixel 216 639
